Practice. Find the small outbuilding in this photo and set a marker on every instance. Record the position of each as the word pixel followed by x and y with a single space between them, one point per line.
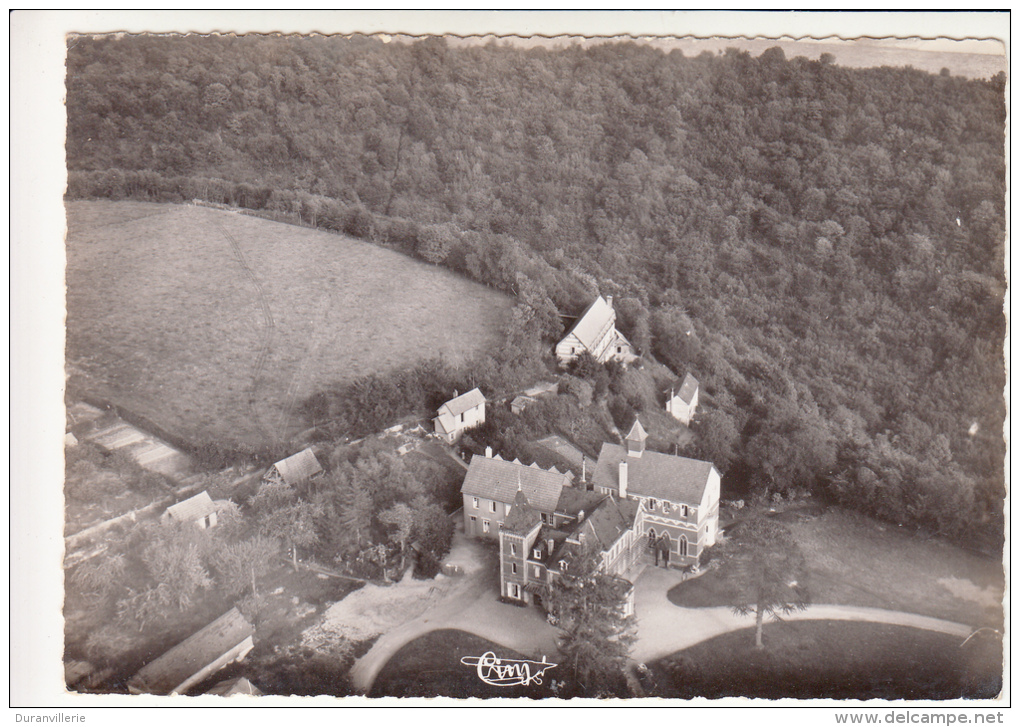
pixel 295 470
pixel 520 403
pixel 200 510
pixel 227 639
pixel 683 401
pixel 237 685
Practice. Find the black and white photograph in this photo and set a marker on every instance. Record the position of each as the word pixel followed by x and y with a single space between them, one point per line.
pixel 661 368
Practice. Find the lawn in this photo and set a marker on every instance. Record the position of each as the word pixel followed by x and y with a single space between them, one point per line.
pixel 855 560
pixel 834 660
pixel 430 666
pixel 216 325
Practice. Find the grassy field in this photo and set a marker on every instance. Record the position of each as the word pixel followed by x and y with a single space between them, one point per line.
pixel 216 325
pixel 856 560
pixel 833 660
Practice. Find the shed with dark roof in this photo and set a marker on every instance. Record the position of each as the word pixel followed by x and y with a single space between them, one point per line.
pixel 229 638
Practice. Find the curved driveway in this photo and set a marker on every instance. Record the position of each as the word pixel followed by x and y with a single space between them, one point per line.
pixel 663 627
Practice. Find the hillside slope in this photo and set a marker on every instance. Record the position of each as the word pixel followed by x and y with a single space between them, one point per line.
pixel 216 325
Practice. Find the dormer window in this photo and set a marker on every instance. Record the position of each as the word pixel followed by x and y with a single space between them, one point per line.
pixel 536 554
pixel 563 566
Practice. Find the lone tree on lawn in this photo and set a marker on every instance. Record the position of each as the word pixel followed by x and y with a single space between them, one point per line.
pixel 768 569
pixel 597 636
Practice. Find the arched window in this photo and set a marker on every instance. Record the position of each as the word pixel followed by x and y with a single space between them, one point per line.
pixel 682 546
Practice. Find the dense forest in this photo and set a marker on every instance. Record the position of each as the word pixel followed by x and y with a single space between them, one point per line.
pixel 822 247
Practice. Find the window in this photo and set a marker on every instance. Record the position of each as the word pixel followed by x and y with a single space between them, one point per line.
pixel 537 571
pixel 492 506
pixel 462 416
pixel 473 519
pixel 563 566
pixel 536 553
pixel 513 550
pixel 485 526
pixel 683 510
pixel 665 507
pixel 513 568
pixel 652 503
pixel 545 518
pixel 474 502
pixel 515 590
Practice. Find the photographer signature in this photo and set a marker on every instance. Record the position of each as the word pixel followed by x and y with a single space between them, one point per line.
pixel 507 672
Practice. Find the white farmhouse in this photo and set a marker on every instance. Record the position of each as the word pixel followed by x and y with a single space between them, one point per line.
pixel 460 413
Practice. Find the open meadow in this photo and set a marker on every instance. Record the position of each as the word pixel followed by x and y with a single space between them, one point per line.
pixel 216 325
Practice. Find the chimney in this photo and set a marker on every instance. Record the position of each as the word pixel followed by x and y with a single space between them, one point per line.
pixel 609 301
pixel 488 452
pixel 623 480
pixel 549 545
pixel 455 394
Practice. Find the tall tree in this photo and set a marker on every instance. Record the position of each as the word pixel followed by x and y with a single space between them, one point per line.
pixel 597 635
pixel 401 518
pixel 281 513
pixel 769 571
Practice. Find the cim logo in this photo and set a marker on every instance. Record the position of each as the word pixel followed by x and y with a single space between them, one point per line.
pixel 507 672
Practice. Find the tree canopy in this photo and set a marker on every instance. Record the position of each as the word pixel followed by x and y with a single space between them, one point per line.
pixel 823 247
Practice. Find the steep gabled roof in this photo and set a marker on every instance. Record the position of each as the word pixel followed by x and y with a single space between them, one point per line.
pixel 460 404
pixel 611 520
pixel 194 508
pixel 522 518
pixel 298 467
pixel 662 476
pixel 592 322
pixel 573 501
pixel 497 479
pixel 637 432
pixel 688 389
pixel 199 650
